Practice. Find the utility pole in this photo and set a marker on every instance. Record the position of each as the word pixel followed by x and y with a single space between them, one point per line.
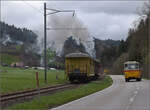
pixel 45 35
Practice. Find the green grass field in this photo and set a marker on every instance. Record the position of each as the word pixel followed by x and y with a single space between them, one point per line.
pixel 14 79
pixel 8 59
pixel 59 98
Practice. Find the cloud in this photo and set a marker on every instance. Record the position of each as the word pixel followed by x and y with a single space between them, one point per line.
pixel 104 25
pixel 21 14
pixel 103 19
pixel 111 7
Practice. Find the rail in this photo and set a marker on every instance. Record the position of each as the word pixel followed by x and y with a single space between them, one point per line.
pixel 9 98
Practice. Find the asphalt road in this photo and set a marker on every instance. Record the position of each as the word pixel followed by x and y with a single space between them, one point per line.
pixel 120 96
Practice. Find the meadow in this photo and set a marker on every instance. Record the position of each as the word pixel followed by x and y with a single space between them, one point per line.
pixel 15 79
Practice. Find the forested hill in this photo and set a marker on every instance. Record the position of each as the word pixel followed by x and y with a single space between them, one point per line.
pixel 13 35
pixel 137 45
pixel 111 42
pixel 107 50
pixel 18 45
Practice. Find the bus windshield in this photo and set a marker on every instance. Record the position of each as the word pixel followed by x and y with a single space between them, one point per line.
pixel 131 66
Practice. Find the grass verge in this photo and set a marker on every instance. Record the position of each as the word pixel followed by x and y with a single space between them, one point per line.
pixel 147 78
pixel 15 79
pixel 45 102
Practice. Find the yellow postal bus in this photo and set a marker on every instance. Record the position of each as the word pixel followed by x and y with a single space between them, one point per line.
pixel 132 71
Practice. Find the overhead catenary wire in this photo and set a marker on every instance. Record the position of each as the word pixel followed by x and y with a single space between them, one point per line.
pixel 33 7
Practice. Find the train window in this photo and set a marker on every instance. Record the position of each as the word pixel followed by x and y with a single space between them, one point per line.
pixel 76 70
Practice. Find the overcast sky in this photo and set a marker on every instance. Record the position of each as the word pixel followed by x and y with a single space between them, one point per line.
pixel 103 19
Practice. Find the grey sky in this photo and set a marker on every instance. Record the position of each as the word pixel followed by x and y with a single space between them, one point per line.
pixel 103 19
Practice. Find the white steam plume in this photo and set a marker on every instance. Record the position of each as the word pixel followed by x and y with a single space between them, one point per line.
pixel 64 26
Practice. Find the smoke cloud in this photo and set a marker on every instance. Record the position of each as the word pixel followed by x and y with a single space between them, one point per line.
pixel 62 26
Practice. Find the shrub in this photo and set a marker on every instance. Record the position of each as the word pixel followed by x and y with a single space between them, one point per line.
pixel 118 64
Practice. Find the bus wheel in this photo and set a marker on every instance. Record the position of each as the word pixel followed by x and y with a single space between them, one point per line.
pixel 139 79
pixel 126 79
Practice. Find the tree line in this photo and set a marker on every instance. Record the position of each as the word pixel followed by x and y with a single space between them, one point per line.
pixel 19 34
pixel 136 46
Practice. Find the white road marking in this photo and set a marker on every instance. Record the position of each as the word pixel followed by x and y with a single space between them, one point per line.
pixel 132 99
pixel 135 92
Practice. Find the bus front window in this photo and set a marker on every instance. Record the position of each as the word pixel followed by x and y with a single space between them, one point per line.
pixel 132 66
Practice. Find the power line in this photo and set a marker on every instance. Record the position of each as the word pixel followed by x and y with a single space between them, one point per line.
pixel 33 7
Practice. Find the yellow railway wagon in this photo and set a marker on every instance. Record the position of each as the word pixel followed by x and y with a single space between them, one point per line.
pixel 132 71
pixel 79 66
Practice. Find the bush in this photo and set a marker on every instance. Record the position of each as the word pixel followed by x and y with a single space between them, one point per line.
pixel 118 64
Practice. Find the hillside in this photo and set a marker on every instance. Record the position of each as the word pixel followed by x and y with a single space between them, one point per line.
pixel 106 51
pixel 17 45
pixel 18 36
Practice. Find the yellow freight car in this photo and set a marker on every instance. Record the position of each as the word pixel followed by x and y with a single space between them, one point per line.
pixel 81 67
pixel 132 71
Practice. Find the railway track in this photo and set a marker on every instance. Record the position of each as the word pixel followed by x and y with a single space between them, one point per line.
pixel 22 95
